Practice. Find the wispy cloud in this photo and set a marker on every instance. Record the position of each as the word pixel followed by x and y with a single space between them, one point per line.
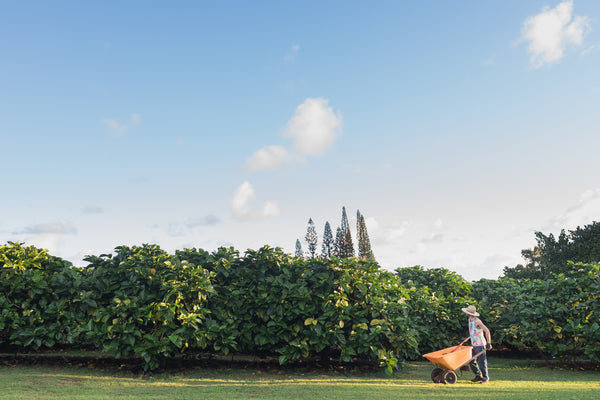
pixel 292 53
pixel 186 228
pixel 490 61
pixel 207 220
pixel 433 238
pixel 590 49
pixel 241 207
pixel 60 228
pixel 582 212
pixel 584 199
pixel 120 128
pixel 92 209
pixel 386 234
pixel 313 128
pixel 550 32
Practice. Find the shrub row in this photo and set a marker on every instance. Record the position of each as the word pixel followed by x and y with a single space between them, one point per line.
pixel 144 302
pixel 557 317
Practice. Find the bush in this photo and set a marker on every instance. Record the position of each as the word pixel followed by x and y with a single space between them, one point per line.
pixel 269 303
pixel 37 293
pixel 437 296
pixel 557 317
pixel 145 302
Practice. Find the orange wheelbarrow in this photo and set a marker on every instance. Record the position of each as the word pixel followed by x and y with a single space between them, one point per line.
pixel 448 361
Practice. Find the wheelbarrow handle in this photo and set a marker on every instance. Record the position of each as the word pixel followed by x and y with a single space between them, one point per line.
pixel 461 343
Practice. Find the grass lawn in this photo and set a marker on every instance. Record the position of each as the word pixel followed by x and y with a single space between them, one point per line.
pixel 510 379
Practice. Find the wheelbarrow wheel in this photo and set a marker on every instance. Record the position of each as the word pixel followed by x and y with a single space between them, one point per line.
pixel 449 377
pixel 436 375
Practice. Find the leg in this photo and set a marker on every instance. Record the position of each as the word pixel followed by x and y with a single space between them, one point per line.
pixel 482 361
pixel 473 363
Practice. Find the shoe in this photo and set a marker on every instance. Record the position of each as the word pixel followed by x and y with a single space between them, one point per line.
pixel 486 381
pixel 478 378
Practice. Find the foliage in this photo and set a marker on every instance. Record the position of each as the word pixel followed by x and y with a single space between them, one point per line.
pixel 145 302
pixel 558 316
pixel 344 245
pixel 364 244
pixel 268 303
pixel 338 243
pixel 551 255
pixel 37 295
pixel 437 297
pixel 327 247
pixel 299 253
pixel 311 238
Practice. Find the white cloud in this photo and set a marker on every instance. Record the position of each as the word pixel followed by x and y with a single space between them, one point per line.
pixel 420 248
pixel 488 62
pixel 313 128
pixel 120 128
pixel 433 238
pixel 240 204
pixel 270 209
pixel 385 235
pixel 584 199
pixel 551 31
pixel 590 49
pixel 207 220
pixel 372 224
pixel 181 229
pixel 292 53
pixel 51 241
pixel 92 209
pixel 60 228
pixel 49 236
pixel 270 157
pixel 583 212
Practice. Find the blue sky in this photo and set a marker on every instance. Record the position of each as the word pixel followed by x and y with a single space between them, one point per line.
pixel 458 129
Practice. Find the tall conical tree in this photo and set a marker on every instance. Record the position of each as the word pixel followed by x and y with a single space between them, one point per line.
pixel 328 246
pixel 347 247
pixel 299 252
pixel 364 244
pixel 338 247
pixel 311 238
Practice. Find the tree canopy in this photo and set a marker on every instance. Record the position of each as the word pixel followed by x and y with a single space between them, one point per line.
pixel 551 255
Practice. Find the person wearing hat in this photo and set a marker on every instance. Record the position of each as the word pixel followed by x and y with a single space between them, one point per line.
pixel 481 340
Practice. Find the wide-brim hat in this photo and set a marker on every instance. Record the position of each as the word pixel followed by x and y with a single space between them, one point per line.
pixel 470 310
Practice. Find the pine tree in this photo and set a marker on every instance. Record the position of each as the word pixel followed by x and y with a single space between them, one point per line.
pixel 338 247
pixel 346 247
pixel 328 246
pixel 311 238
pixel 364 244
pixel 299 252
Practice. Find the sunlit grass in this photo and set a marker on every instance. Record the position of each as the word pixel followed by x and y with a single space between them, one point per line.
pixel 511 379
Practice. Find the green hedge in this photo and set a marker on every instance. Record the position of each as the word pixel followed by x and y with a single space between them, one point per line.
pixel 436 298
pixel 38 295
pixel 557 317
pixel 144 302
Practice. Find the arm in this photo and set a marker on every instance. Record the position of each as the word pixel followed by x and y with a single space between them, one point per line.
pixel 486 331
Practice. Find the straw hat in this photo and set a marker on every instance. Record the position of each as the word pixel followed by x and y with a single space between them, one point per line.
pixel 471 310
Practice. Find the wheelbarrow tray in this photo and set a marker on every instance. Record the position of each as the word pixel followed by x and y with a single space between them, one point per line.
pixel 451 358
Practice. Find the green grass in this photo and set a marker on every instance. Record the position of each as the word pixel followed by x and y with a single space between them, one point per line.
pixel 510 379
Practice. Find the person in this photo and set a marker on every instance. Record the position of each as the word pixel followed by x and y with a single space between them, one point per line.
pixel 481 340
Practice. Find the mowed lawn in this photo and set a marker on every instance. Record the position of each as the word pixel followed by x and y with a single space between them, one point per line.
pixel 511 379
